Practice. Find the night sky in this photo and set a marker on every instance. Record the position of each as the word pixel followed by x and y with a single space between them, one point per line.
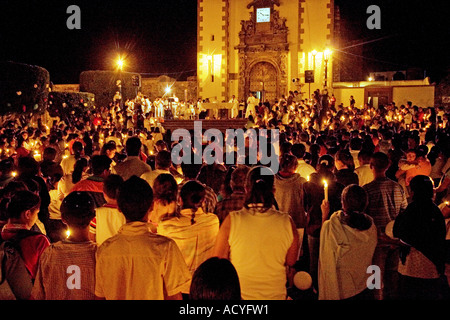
pixel 159 36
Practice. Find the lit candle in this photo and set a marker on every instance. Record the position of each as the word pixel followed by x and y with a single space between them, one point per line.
pixel 307 178
pixel 37 156
pixel 14 173
pixel 325 189
pixel 68 233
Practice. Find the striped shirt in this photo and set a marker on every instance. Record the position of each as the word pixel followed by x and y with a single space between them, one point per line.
pixel 386 200
pixel 232 203
pixel 59 266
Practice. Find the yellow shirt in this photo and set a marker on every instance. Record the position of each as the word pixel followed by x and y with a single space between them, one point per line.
pixel 136 264
pixel 196 241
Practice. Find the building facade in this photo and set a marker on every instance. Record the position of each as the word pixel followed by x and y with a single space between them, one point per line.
pixel 263 47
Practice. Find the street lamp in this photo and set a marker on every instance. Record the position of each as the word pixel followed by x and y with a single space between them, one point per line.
pixel 120 63
pixel 314 52
pixel 326 57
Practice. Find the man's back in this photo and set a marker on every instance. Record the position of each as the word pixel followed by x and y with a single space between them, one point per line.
pixel 136 264
pixel 53 274
pixel 386 200
pixel 131 166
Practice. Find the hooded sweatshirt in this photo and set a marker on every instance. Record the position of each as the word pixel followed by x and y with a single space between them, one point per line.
pixel 345 254
pixel 289 196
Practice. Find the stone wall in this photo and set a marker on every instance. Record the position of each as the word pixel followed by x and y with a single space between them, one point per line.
pixel 156 88
pixel 23 88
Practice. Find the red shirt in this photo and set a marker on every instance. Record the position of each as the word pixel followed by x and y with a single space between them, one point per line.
pixel 31 247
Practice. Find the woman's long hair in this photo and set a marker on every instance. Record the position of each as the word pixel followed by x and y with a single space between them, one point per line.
pixel 260 187
pixel 192 194
pixel 346 158
pixel 77 149
pixel 77 173
pixel 165 188
pixel 354 203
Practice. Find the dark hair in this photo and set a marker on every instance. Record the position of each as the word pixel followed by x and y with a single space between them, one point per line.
pixel 354 202
pixel 21 201
pixel 78 169
pixel 365 155
pixel 238 177
pixel 346 158
pixel 193 194
pixel 325 163
pixel 422 187
pixel 215 279
pixel 100 163
pixel 288 162
pixel 53 172
pixel 77 148
pixel 133 146
pixel 163 159
pixel 111 185
pixel 135 198
pixel 78 209
pixel 110 145
pixel 298 150
pixel 356 143
pixel 379 161
pixel 285 147
pixel 27 166
pixel 165 188
pixel 259 188
pixel 191 170
pixel 5 195
pixel 6 165
pixel 49 153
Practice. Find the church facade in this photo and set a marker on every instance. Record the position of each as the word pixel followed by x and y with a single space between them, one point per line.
pixel 265 47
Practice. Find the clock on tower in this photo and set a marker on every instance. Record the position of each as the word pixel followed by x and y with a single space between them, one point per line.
pixel 263 15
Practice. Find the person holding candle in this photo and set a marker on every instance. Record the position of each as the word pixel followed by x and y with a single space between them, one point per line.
pixel 55 278
pixel 313 197
pixel 347 243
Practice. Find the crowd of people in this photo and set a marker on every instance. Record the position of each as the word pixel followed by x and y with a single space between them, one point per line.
pixel 100 210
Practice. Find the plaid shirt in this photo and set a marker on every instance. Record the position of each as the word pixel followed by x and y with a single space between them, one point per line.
pixel 209 205
pixel 386 200
pixel 232 203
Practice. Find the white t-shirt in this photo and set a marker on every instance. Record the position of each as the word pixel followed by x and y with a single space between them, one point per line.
pixel 259 242
pixel 108 220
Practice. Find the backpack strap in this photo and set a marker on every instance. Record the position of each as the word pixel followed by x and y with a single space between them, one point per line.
pixel 13 268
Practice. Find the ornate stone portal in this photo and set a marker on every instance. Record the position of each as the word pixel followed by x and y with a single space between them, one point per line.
pixel 263 52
